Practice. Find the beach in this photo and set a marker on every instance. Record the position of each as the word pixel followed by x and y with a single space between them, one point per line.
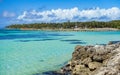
pixel 75 29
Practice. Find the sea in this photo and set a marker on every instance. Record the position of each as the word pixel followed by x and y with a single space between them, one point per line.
pixel 34 52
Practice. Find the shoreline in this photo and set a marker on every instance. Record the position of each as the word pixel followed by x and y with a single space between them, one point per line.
pixel 92 60
pixel 76 29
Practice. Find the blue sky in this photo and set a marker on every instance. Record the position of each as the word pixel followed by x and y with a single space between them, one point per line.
pixel 30 11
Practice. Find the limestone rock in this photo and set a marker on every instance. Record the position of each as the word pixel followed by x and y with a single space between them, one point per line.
pixel 94 65
pixel 94 60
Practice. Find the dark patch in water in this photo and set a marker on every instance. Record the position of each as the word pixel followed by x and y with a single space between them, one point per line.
pixel 77 42
pixel 4 31
pixel 32 35
pixel 41 60
pixel 60 34
pixel 27 40
pixel 114 42
pixel 101 44
pixel 51 73
pixel 48 73
pixel 9 37
pixel 37 40
pixel 49 39
pixel 71 40
pixel 74 41
pixel 24 40
pixel 38 74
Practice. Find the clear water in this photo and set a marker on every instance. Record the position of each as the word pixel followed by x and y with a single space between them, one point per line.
pixel 31 52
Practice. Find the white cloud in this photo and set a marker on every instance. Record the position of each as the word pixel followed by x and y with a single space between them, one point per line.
pixel 70 14
pixel 23 15
pixel 8 14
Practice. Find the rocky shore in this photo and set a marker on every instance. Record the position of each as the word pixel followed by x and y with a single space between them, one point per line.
pixel 93 60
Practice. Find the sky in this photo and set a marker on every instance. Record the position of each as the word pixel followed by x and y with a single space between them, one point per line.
pixel 37 11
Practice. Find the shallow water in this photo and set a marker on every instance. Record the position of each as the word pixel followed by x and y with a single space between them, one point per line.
pixel 31 52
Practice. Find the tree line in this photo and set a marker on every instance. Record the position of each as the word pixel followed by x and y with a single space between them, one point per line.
pixel 69 25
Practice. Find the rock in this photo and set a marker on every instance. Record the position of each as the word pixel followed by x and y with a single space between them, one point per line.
pixel 86 61
pixel 80 69
pixel 110 43
pixel 78 47
pixel 94 65
pixel 94 60
pixel 113 42
pixel 98 58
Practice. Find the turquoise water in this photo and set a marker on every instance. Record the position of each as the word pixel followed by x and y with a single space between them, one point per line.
pixel 31 52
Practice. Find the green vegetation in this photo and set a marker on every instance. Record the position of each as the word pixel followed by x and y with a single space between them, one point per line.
pixel 69 25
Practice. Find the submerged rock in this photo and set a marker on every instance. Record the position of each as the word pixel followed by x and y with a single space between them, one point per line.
pixel 94 60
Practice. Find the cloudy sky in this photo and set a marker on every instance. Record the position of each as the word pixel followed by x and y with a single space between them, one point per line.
pixel 32 11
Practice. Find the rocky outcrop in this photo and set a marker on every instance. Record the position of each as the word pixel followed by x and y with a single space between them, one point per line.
pixel 94 60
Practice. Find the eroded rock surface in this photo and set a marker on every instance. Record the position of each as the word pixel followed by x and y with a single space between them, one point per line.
pixel 94 60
